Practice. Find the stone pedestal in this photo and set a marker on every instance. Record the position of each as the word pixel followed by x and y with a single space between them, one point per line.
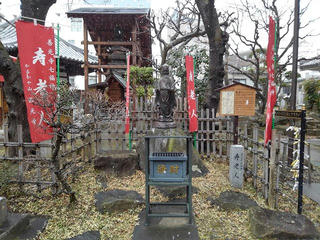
pixel 3 210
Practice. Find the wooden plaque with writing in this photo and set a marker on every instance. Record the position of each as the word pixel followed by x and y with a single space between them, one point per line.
pixel 243 97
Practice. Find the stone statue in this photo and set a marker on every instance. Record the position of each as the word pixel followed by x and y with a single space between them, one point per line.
pixel 165 99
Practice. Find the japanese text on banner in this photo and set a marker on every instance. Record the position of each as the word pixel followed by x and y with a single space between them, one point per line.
pixel 271 100
pixel 36 48
pixel 127 120
pixel 192 110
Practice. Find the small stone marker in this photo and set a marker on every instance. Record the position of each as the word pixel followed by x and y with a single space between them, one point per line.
pixel 3 210
pixel 236 166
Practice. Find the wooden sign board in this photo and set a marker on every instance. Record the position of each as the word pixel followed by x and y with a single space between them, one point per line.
pixel 288 113
pixel 237 100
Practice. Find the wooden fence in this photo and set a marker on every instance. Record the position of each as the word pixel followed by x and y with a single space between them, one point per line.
pixel 214 134
pixel 30 163
pixel 261 163
pixel 33 165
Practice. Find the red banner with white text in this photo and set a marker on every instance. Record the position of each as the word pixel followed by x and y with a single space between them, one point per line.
pixel 127 120
pixel 271 100
pixel 192 109
pixel 36 48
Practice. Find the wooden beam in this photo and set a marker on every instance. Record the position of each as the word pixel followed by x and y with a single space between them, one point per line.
pixel 109 43
pixel 134 46
pixel 99 59
pixel 104 66
pixel 86 69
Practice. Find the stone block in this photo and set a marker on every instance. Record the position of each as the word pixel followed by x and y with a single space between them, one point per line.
pixel 3 210
pixel 236 166
pixel 117 200
pixel 266 223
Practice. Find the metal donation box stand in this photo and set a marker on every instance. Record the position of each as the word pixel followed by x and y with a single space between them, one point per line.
pixel 169 169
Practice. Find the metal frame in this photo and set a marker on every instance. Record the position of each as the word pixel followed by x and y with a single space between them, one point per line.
pixel 187 183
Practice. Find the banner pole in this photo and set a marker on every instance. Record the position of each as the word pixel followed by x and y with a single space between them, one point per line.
pixel 130 141
pixel 275 64
pixel 127 119
pixel 194 73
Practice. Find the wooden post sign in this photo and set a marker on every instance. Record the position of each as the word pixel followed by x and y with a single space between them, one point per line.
pixel 237 99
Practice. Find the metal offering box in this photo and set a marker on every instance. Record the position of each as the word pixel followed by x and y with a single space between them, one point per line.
pixel 168 166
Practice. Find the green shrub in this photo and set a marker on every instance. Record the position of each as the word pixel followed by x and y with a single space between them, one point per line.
pixel 312 94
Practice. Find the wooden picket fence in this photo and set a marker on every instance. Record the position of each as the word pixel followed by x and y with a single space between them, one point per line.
pixel 260 165
pixel 33 165
pixel 214 134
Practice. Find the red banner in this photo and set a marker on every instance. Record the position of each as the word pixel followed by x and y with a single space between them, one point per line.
pixel 192 109
pixel 38 70
pixel 271 100
pixel 127 121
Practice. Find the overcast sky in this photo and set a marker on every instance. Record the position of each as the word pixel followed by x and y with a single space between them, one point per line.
pixel 9 8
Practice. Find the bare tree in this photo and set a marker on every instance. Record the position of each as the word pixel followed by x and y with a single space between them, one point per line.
pixel 257 13
pixel 217 39
pixel 13 89
pixel 182 22
pixel 59 120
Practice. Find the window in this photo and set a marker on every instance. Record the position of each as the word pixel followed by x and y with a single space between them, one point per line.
pixel 76 24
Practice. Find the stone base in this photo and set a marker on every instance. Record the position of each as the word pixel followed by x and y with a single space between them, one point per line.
pixel 165 125
pixel 22 226
pixel 230 200
pixel 117 200
pixel 165 228
pixel 91 235
pixel 121 162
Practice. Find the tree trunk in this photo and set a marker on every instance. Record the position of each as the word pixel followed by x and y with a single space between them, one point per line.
pixel 217 47
pixel 14 95
pixel 13 88
pixel 58 172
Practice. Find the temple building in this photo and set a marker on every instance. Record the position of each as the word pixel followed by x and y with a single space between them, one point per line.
pixel 114 33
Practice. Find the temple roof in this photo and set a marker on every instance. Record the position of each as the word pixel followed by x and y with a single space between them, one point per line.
pixel 103 10
pixel 8 37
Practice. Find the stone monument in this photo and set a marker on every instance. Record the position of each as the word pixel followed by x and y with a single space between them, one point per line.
pixel 3 210
pixel 165 99
pixel 236 166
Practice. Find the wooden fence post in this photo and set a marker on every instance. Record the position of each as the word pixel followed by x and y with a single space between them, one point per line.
pixel 6 140
pixel 208 132
pixel 96 138
pixel 54 187
pixel 20 155
pixel 277 169
pixel 202 129
pixel 273 174
pixel 265 173
pixel 213 126
pixel 89 139
pixel 245 143
pixel 83 149
pixel 309 162
pixel 255 160
pixel 38 168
